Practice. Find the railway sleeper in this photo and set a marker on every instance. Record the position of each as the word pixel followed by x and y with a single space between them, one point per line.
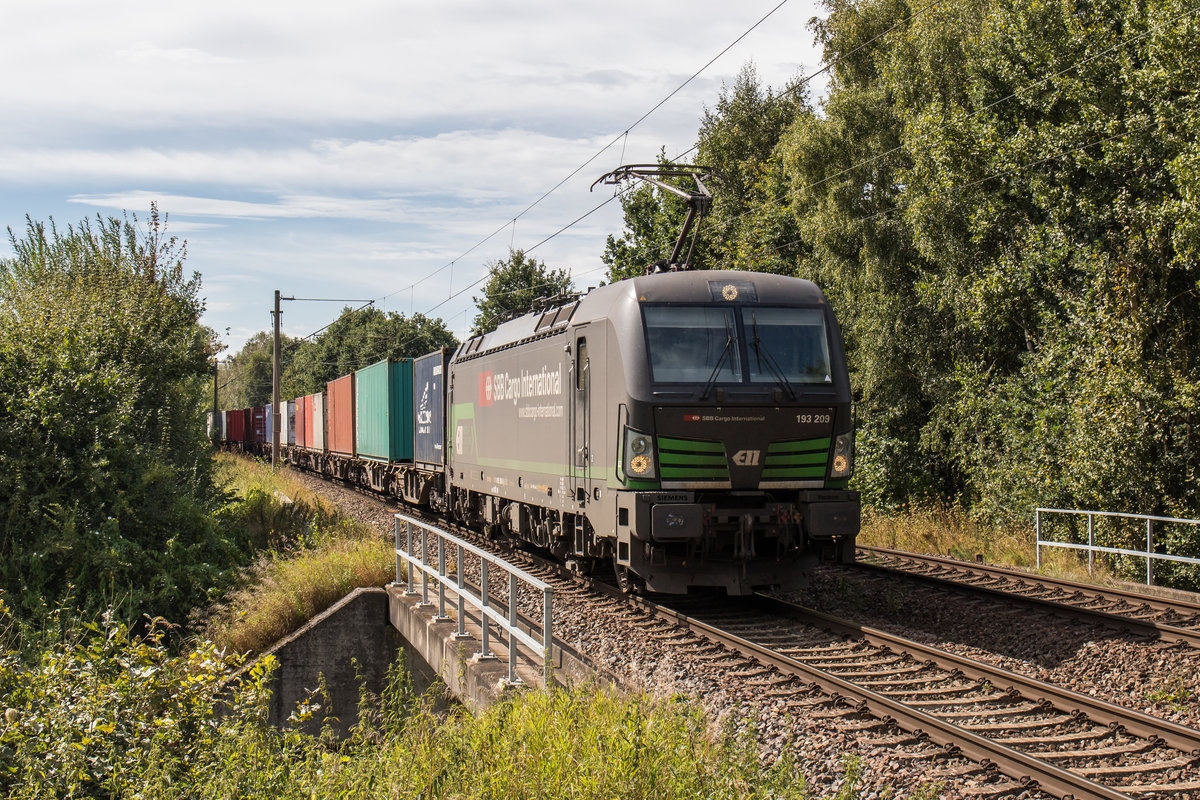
pixel 1027 725
pixel 953 701
pixel 1161 788
pixel 1095 734
pixel 1011 711
pixel 1139 746
pixel 1136 769
pixel 957 689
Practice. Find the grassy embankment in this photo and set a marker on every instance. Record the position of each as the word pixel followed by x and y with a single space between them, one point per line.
pixel 951 531
pixel 313 555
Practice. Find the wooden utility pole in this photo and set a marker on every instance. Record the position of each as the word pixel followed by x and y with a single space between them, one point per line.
pixel 275 367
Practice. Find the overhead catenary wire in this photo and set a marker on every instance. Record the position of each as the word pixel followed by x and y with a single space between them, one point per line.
pixel 622 137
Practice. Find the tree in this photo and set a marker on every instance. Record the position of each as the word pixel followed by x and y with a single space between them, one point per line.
pixel 514 285
pixel 105 481
pixel 355 339
pixel 244 379
pixel 748 227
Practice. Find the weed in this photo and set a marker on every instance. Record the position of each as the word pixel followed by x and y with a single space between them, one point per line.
pixel 1175 693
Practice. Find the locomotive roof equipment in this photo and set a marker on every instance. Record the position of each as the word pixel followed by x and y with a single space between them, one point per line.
pixel 699 202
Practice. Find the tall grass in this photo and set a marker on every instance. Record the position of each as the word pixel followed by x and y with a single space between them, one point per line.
pixel 951 531
pixel 108 713
pixel 584 743
pixel 312 556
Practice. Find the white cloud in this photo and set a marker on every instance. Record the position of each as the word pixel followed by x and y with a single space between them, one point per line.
pixel 357 147
pixel 149 54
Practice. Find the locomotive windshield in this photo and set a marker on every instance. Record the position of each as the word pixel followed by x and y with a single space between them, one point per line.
pixel 692 344
pixel 728 344
pixel 787 342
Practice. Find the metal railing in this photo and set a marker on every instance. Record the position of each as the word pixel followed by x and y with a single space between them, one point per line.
pixel 1092 548
pixel 411 531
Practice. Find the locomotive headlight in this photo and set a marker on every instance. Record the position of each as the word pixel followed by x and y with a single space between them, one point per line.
pixel 843 456
pixel 638 458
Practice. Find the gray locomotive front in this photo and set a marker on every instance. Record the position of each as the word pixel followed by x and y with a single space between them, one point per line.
pixel 693 429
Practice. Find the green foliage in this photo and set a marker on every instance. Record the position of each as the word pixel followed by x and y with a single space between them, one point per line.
pixel 355 339
pixel 514 286
pixel 244 379
pixel 749 226
pixel 101 712
pixel 104 484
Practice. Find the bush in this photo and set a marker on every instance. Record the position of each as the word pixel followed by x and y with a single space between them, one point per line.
pixel 105 483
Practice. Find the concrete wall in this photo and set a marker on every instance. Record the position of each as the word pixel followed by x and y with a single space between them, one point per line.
pixel 351 644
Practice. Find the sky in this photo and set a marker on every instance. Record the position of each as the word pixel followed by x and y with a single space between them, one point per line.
pixel 364 150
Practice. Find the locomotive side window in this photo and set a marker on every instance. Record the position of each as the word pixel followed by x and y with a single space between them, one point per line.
pixel 581 365
pixel 786 341
pixel 691 344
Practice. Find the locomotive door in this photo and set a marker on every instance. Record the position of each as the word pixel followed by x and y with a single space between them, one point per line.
pixel 587 389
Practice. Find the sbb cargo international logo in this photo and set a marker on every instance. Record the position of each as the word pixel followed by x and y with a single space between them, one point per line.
pixel 485 388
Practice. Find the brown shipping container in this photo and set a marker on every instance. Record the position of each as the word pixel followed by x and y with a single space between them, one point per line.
pixel 340 428
pixel 258 416
pixel 310 406
pixel 235 424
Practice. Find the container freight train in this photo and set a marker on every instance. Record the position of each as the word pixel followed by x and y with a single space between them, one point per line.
pixel 690 429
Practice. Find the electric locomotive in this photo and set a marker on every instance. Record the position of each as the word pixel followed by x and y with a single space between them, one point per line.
pixel 690 428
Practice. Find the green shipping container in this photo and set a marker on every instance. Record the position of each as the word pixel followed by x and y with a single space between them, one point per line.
pixel 383 410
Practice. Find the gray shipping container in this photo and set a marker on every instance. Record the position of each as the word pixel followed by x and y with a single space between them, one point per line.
pixel 429 402
pixel 215 420
pixel 319 414
pixel 287 422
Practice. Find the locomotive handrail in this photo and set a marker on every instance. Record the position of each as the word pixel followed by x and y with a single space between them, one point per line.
pixel 1091 547
pixel 506 621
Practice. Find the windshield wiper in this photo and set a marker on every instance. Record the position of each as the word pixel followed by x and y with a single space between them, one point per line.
pixel 760 351
pixel 720 360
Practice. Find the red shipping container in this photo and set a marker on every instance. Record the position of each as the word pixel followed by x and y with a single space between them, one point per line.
pixel 310 407
pixel 235 425
pixel 339 400
pixel 301 428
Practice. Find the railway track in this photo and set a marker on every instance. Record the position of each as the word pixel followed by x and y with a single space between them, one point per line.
pixel 1035 733
pixel 1067 743
pixel 1163 618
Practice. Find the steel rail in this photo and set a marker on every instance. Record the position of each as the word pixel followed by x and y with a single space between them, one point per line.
pixel 1109 592
pixel 1013 763
pixel 1143 627
pixel 1135 722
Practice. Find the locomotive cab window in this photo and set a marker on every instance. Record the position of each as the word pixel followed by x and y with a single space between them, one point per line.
pixel 787 342
pixel 692 344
